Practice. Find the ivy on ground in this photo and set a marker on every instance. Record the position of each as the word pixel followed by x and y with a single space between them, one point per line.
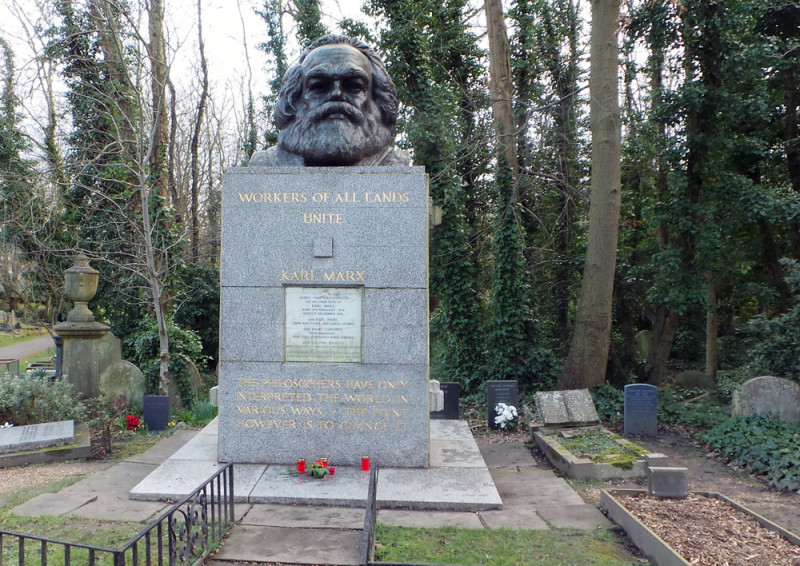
pixel 764 447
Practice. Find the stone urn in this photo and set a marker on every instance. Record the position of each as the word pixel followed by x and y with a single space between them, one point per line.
pixel 80 282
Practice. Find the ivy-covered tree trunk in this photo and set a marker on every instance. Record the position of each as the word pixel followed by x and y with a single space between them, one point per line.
pixel 588 353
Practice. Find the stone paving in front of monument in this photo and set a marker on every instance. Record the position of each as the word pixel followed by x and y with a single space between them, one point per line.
pixel 533 498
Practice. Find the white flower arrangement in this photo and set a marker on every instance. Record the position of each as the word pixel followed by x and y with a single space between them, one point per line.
pixel 506 416
pixel 6 425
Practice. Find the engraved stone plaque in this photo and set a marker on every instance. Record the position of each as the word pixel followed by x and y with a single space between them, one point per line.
pixel 323 324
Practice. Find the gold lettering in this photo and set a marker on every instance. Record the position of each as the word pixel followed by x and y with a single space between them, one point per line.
pixel 323 218
pixel 307 411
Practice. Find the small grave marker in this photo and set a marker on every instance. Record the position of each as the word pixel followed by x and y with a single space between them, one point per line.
pixel 34 437
pixel 451 391
pixel 500 392
pixel 641 409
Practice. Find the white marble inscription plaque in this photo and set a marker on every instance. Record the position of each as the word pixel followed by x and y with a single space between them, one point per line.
pixel 323 324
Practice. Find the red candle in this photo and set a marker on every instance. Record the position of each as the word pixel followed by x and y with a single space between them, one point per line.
pixel 301 465
pixel 364 463
pixel 324 462
pixel 332 470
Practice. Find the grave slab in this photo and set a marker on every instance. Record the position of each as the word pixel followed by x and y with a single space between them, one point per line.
pixel 774 396
pixel 451 453
pixel 452 489
pixel 37 436
pixel 281 484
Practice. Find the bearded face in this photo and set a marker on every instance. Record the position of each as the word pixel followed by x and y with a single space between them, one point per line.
pixel 337 121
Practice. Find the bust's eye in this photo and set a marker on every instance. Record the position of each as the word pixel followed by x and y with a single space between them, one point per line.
pixel 317 85
pixel 355 85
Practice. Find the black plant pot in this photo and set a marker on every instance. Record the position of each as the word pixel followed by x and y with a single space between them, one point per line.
pixel 156 412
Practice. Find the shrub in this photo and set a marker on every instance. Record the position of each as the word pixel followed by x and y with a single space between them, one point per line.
pixel 610 403
pixel 36 399
pixel 762 446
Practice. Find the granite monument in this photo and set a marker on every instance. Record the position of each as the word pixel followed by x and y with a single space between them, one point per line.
pixel 324 306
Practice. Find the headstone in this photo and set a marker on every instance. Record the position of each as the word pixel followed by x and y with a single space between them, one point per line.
pixel 550 408
pixel 324 315
pixel 771 396
pixel 500 392
pixel 452 392
pixel 580 406
pixel 9 366
pixel 34 437
pixel 668 482
pixel 122 379
pixel 641 410
pixel 435 396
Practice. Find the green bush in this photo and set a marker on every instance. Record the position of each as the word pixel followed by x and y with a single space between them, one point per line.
pixel 200 414
pixel 184 346
pixel 678 407
pixel 610 403
pixel 36 399
pixel 762 446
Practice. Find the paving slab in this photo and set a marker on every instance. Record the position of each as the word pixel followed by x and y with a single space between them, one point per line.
pixel 462 489
pixel 541 485
pixel 112 507
pixel 507 455
pixel 520 517
pixel 164 448
pixel 53 504
pixel 297 546
pixel 117 479
pixel 574 516
pixel 303 516
pixel 455 453
pixel 430 519
pixel 176 479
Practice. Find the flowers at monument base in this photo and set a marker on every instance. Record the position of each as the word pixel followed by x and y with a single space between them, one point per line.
pixel 6 425
pixel 507 416
pixel 132 422
pixel 320 469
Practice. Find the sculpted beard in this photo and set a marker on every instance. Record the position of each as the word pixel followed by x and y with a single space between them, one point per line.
pixel 323 140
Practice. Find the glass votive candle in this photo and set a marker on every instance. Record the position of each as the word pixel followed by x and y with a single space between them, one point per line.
pixel 332 470
pixel 324 462
pixel 301 465
pixel 364 463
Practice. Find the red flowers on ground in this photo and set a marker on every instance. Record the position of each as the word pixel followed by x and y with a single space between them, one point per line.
pixel 132 422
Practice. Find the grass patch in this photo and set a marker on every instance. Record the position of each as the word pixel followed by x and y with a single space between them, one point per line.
pixel 602 447
pixel 87 531
pixel 501 547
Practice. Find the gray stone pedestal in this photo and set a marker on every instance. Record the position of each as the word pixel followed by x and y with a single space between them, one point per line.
pixel 324 316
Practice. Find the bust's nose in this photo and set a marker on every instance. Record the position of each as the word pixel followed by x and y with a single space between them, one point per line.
pixel 336 91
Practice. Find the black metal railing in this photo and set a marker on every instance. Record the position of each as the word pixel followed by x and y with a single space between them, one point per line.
pixel 370 517
pixel 182 536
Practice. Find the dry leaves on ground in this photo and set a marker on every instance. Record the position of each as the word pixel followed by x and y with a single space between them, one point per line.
pixel 709 531
pixel 13 480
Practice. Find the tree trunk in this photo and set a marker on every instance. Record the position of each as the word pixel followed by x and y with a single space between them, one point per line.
pixel 201 108
pixel 158 85
pixel 501 89
pixel 588 352
pixel 712 328
pixel 661 337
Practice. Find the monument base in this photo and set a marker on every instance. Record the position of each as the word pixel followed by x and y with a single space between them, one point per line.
pixel 457 479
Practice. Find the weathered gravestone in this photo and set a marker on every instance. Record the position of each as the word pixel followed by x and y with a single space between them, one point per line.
pixel 452 392
pixel 641 409
pixel 767 395
pixel 324 306
pixel 500 392
pixel 34 437
pixel 572 406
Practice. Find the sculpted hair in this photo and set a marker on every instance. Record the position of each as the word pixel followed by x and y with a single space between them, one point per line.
pixel 383 91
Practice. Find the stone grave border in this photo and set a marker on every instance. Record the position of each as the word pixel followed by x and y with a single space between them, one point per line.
pixel 654 546
pixel 80 448
pixel 583 468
